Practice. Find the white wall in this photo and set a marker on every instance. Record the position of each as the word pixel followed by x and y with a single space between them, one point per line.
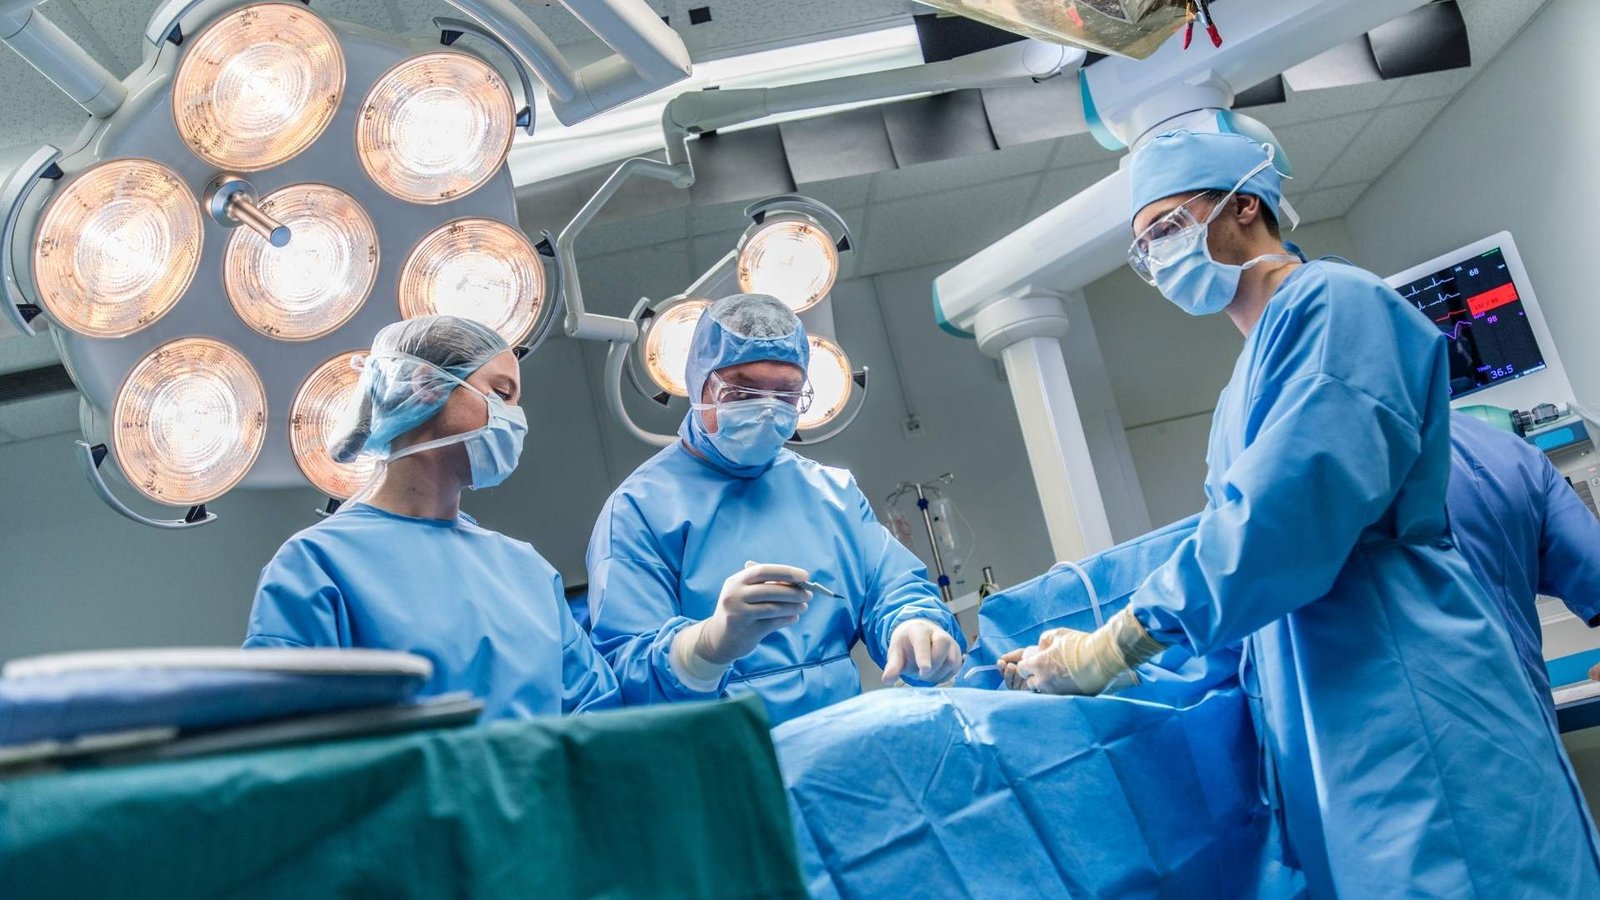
pixel 1516 150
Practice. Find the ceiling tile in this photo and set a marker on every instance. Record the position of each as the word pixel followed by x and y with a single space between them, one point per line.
pixel 112 36
pixel 1329 203
pixel 745 26
pixel 949 174
pixel 1432 85
pixel 714 217
pixel 1390 133
pixel 1310 106
pixel 939 226
pixel 1314 146
pixel 1080 150
pixel 655 228
pixel 839 193
pixel 614 282
pixel 709 248
pixel 1059 185
pixel 36 417
pixel 24 352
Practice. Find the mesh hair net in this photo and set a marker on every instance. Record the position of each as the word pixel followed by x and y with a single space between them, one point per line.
pixel 744 328
pixel 400 387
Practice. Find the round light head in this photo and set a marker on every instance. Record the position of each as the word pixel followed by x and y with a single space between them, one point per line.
pixel 319 280
pixel 791 258
pixel 436 127
pixel 477 269
pixel 326 400
pixel 117 247
pixel 831 383
pixel 666 345
pixel 258 86
pixel 189 421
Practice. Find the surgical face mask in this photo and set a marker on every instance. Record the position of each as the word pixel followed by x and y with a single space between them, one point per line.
pixel 1174 255
pixel 751 432
pixel 493 450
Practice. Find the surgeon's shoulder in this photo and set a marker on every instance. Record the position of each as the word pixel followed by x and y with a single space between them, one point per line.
pixel 831 478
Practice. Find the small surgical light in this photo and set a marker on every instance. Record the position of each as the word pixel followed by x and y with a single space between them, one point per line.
pixel 117 247
pixel 831 383
pixel 436 127
pixel 258 87
pixel 316 282
pixel 789 257
pixel 326 400
pixel 189 421
pixel 666 345
pixel 478 269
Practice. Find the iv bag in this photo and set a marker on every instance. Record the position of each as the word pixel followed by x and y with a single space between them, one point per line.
pixel 1132 28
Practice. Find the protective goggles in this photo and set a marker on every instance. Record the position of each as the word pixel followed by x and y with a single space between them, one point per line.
pixel 723 393
pixel 1167 239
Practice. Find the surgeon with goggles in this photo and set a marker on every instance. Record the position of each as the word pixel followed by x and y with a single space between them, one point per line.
pixel 1402 748
pixel 727 564
pixel 401 567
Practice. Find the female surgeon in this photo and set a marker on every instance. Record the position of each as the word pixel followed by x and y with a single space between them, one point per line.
pixel 401 567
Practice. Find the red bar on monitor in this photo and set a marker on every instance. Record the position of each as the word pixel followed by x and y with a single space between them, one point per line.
pixel 1491 299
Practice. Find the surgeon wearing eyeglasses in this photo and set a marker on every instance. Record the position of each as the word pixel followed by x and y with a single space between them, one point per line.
pixel 1403 748
pixel 700 562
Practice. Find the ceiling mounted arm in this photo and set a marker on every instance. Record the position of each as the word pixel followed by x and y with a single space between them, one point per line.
pixel 13 196
pixel 57 57
pixel 649 55
pixel 89 459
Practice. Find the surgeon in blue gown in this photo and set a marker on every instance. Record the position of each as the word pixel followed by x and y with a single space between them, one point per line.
pixel 401 567
pixel 1524 531
pixel 1403 748
pixel 698 563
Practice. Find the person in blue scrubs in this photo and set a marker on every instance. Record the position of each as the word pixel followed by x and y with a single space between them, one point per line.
pixel 1403 749
pixel 1524 531
pixel 401 567
pixel 699 561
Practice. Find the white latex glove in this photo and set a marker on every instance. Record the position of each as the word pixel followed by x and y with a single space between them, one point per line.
pixel 756 601
pixel 1076 662
pixel 933 655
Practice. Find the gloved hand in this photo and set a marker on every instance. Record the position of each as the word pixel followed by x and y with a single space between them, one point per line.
pixel 1075 662
pixel 756 601
pixel 934 655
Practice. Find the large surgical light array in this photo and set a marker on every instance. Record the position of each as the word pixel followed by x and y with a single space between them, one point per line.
pixel 258 197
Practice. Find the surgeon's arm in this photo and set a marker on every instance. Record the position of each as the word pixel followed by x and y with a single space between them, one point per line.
pixel 634 610
pixel 898 589
pixel 297 604
pixel 1325 464
pixel 587 682
pixel 1569 549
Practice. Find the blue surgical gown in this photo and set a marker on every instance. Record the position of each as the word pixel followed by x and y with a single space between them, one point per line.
pixel 677 528
pixel 486 610
pixel 1403 745
pixel 1524 531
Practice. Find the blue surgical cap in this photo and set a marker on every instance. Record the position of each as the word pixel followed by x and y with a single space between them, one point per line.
pixel 1184 162
pixel 744 328
pixel 403 381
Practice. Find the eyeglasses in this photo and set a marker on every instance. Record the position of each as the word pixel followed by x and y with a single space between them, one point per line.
pixel 723 393
pixel 1168 238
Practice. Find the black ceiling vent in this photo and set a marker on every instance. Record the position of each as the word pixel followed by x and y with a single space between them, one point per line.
pixel 948 37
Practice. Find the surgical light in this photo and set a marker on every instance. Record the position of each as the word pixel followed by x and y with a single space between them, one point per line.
pixel 831 383
pixel 189 421
pixel 314 284
pixel 479 269
pixel 325 400
pixel 436 127
pixel 789 257
pixel 666 344
pixel 258 86
pixel 117 247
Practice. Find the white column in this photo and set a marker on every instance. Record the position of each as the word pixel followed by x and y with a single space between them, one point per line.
pixel 1025 332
